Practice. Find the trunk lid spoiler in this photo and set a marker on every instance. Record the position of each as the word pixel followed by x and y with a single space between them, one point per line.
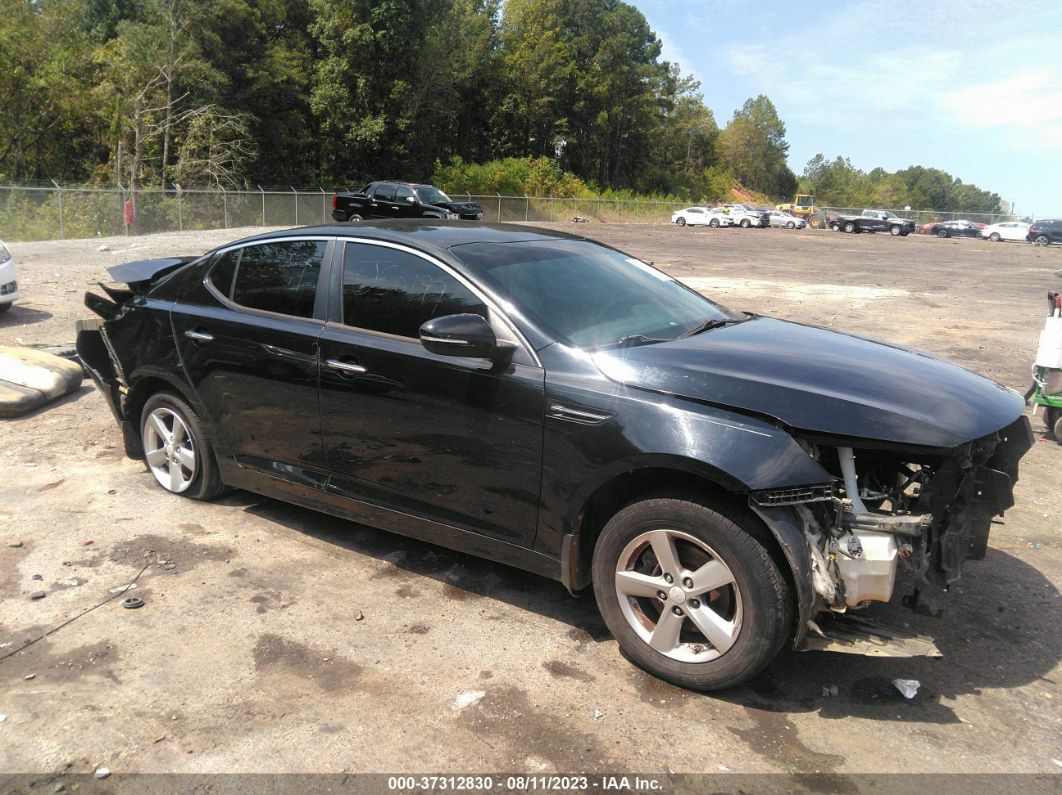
pixel 141 274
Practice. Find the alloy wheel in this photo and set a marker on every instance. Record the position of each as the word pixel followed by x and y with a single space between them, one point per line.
pixel 678 596
pixel 170 450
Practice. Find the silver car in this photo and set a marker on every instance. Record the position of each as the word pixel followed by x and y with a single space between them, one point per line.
pixel 787 220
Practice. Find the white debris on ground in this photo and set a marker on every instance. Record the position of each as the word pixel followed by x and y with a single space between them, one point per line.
pixel 468 698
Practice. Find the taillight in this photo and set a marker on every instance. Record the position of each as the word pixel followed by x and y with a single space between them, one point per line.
pixel 334 197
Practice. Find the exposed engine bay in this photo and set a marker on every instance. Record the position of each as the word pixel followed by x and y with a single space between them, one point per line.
pixel 931 509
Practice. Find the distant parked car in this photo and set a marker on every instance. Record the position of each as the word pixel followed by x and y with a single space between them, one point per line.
pixel 745 216
pixel 401 200
pixel 8 281
pixel 955 229
pixel 1007 230
pixel 787 220
pixel 702 216
pixel 1043 233
pixel 691 216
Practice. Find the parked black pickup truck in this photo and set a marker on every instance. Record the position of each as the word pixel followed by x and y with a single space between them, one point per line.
pixel 874 221
pixel 401 200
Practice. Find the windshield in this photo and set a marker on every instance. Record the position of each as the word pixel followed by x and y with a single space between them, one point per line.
pixel 429 194
pixel 588 295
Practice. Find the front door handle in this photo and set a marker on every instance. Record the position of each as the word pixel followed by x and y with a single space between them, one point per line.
pixel 346 367
pixel 199 336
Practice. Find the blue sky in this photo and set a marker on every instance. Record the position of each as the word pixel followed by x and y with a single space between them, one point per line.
pixel 973 88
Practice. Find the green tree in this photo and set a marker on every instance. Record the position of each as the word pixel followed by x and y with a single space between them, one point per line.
pixel 753 148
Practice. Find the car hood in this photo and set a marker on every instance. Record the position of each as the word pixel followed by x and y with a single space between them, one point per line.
pixel 822 381
pixel 467 208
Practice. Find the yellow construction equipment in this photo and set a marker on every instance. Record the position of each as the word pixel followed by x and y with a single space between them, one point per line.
pixel 804 207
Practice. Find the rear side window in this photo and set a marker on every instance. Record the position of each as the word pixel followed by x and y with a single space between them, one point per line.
pixel 394 292
pixel 223 270
pixel 384 192
pixel 280 277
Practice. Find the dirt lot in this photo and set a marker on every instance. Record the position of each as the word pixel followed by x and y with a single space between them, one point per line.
pixel 248 655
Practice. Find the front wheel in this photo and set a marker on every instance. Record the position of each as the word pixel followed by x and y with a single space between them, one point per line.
pixel 745 223
pixel 177 449
pixel 689 594
pixel 995 237
pixel 1041 240
pixel 849 227
pixel 681 222
pixel 790 225
pixel 895 230
pixel 714 223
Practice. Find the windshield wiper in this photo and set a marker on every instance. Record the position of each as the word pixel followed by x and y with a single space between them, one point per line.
pixel 707 325
pixel 631 340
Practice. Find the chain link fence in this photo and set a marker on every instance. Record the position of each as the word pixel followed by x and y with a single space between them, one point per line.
pixel 58 212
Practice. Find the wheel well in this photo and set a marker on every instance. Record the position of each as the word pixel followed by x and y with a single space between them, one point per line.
pixel 134 404
pixel 649 482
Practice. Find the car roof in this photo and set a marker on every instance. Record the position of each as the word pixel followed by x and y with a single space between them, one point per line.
pixel 428 234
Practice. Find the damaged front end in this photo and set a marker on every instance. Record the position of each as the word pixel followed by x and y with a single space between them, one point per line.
pixel 932 509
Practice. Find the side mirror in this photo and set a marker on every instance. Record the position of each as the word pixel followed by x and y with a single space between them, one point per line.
pixel 459 335
pixel 411 199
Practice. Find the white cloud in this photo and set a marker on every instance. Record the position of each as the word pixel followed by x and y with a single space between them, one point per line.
pixel 1027 105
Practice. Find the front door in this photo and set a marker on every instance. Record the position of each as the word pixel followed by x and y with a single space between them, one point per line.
pixel 251 356
pixel 450 439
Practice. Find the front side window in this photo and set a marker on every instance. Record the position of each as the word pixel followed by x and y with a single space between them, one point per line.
pixel 280 277
pixel 394 292
pixel 429 194
pixel 223 270
pixel 403 192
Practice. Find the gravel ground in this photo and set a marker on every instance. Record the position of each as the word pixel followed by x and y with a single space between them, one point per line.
pixel 275 639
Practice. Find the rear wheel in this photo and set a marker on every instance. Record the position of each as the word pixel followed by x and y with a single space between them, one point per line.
pixel 789 225
pixel 354 218
pixel 849 227
pixel 681 221
pixel 942 233
pixel 1041 240
pixel 177 449
pixel 689 594
pixel 745 223
pixel 1053 421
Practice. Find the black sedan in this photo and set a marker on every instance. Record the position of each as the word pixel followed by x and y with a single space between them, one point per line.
pixel 955 229
pixel 718 478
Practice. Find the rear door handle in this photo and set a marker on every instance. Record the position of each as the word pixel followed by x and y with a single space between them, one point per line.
pixel 346 367
pixel 199 336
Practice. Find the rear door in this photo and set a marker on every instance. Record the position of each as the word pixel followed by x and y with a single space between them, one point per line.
pixel 382 203
pixel 451 439
pixel 251 354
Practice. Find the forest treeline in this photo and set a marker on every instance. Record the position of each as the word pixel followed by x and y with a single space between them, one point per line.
pixel 565 95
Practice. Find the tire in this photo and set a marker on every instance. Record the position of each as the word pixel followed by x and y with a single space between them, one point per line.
pixel 1041 240
pixel 895 230
pixel 714 223
pixel 790 225
pixel 942 233
pixel 754 606
pixel 745 223
pixel 196 466
pixel 1053 421
pixel 1056 428
pixel 5 307
pixel 354 218
pixel 849 227
pixel 681 221
pixel 995 237
pixel 836 227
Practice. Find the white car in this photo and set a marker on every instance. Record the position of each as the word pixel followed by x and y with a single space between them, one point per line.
pixel 701 216
pixel 1008 230
pixel 8 281
pixel 779 218
pixel 746 216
